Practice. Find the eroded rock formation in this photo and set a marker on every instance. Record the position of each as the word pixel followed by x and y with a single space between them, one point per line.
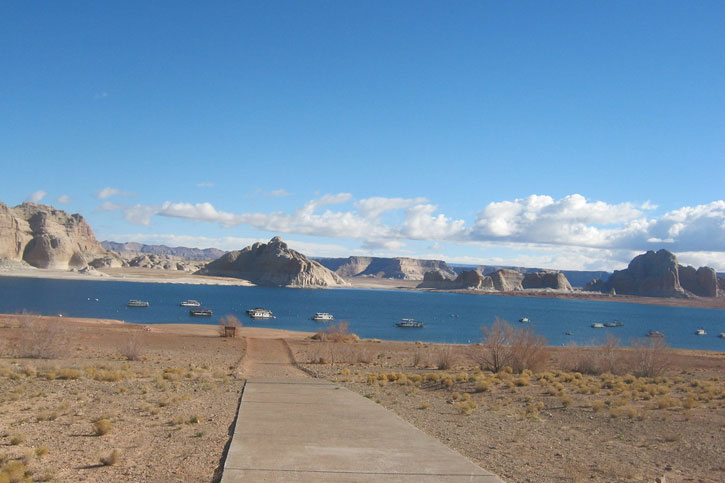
pixel 272 264
pixel 657 274
pixel 45 237
pixel 500 281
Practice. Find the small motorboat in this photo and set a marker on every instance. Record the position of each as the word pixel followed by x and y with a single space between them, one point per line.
pixel 700 332
pixel 190 303
pixel 597 325
pixel 655 333
pixel 567 333
pixel 200 312
pixel 524 320
pixel 409 324
pixel 323 317
pixel 614 323
pixel 137 303
pixel 722 335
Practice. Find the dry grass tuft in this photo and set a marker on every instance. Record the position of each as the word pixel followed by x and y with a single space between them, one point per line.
pixel 102 426
pixel 111 459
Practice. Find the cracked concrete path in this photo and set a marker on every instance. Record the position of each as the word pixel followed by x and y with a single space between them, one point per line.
pixel 291 427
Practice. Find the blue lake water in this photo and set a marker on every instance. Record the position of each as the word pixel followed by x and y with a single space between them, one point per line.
pixel 370 313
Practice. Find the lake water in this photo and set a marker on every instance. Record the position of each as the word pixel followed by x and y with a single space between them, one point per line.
pixel 370 313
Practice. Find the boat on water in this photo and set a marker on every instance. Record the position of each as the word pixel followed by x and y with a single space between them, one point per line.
pixel 410 324
pixel 190 303
pixel 137 303
pixel 323 317
pixel 524 320
pixel 722 335
pixel 655 333
pixel 700 332
pixel 597 325
pixel 260 313
pixel 614 323
pixel 201 312
pixel 567 333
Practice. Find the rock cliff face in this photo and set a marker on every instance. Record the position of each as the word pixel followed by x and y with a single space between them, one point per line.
pixel 499 281
pixel 546 279
pixel 507 280
pixel 657 274
pixel 272 264
pixel 46 238
pixel 398 268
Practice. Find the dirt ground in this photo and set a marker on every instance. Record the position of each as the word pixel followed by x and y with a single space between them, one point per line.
pixel 549 426
pixel 168 411
pixel 169 395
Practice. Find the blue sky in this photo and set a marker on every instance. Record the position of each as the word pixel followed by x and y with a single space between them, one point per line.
pixel 551 134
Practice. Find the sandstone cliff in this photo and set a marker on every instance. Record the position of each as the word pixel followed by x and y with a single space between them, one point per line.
pixel 499 281
pixel 46 238
pixel 657 274
pixel 272 264
pixel 546 279
pixel 400 268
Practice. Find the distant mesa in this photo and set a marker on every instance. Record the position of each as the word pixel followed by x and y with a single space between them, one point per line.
pixel 182 252
pixel 273 264
pixel 657 274
pixel 399 268
pixel 44 237
pixel 502 280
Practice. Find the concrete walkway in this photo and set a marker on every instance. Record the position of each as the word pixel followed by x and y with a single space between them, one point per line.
pixel 292 428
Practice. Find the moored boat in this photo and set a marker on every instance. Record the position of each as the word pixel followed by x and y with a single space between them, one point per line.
pixel 700 332
pixel 201 312
pixel 524 320
pixel 410 324
pixel 655 333
pixel 190 303
pixel 137 303
pixel 260 313
pixel 722 335
pixel 323 317
pixel 614 323
pixel 597 325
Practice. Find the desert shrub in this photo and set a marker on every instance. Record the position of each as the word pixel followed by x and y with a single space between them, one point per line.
pixel 68 373
pixel 102 426
pixel 229 321
pixel 521 381
pixel 16 439
pixel 466 407
pixel 445 357
pixel 41 451
pixel 13 471
pixel 506 346
pixel 40 338
pixel 650 357
pixel 130 347
pixel 336 333
pixel 420 358
pixel 111 459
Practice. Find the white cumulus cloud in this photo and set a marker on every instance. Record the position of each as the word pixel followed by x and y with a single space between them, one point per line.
pixel 109 192
pixel 63 199
pixel 36 196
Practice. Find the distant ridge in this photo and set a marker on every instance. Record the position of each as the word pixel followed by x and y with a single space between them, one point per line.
pixel 399 268
pixel 183 252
